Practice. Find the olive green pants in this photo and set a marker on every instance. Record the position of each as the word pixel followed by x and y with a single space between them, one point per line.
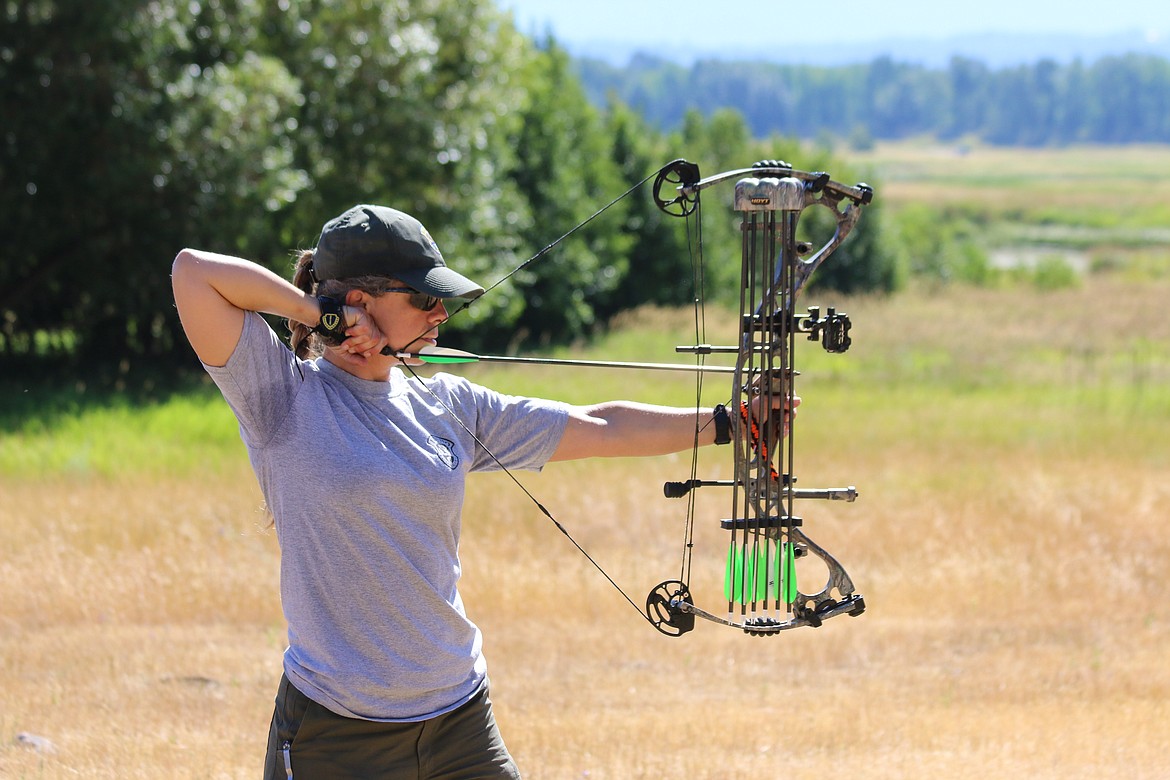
pixel 309 742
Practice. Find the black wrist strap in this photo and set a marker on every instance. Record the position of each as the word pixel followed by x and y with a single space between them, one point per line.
pixel 722 425
pixel 332 325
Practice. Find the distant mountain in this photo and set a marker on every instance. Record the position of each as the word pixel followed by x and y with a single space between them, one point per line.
pixel 994 49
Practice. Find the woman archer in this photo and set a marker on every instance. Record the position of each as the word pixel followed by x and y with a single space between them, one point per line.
pixel 363 466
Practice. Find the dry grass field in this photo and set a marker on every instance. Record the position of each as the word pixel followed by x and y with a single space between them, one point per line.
pixel 1010 541
pixel 1011 451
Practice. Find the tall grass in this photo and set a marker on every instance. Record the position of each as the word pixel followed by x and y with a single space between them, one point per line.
pixel 1010 452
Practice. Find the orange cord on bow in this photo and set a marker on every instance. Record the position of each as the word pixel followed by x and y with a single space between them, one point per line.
pixel 758 445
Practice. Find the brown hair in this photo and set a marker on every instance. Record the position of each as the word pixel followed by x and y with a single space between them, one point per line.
pixel 302 340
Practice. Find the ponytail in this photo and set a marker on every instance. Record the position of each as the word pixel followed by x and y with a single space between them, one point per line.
pixel 299 333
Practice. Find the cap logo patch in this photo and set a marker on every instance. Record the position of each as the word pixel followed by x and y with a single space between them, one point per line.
pixel 427 235
pixel 330 321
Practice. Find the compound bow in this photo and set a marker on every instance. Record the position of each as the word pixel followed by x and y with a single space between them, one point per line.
pixel 766 535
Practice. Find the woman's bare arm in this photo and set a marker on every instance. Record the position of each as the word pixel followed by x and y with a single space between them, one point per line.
pixel 212 292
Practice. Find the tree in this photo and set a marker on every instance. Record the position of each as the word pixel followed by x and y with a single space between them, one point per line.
pixel 659 270
pixel 414 105
pixel 1114 100
pixel 136 127
pixel 563 168
pixel 237 125
pixel 138 137
pixel 967 98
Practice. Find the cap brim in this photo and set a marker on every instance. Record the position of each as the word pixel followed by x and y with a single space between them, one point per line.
pixel 441 282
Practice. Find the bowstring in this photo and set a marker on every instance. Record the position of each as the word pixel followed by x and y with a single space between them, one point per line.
pixel 544 510
pixel 694 233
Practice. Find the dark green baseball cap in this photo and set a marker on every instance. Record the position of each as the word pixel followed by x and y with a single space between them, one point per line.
pixel 379 241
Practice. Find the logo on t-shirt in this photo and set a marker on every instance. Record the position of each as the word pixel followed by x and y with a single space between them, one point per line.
pixel 445 449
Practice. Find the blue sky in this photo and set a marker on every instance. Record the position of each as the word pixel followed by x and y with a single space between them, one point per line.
pixel 724 23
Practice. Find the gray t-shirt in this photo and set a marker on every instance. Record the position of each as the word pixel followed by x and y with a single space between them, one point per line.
pixel 365 480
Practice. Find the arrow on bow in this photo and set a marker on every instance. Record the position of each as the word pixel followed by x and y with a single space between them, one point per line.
pixel 448 356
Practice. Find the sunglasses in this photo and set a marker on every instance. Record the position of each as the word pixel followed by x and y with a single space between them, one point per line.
pixel 418 300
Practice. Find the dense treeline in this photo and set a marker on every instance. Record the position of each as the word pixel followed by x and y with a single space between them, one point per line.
pixel 134 128
pixel 1122 99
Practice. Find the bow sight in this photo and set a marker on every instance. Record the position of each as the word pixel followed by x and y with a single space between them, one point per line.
pixel 767 538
